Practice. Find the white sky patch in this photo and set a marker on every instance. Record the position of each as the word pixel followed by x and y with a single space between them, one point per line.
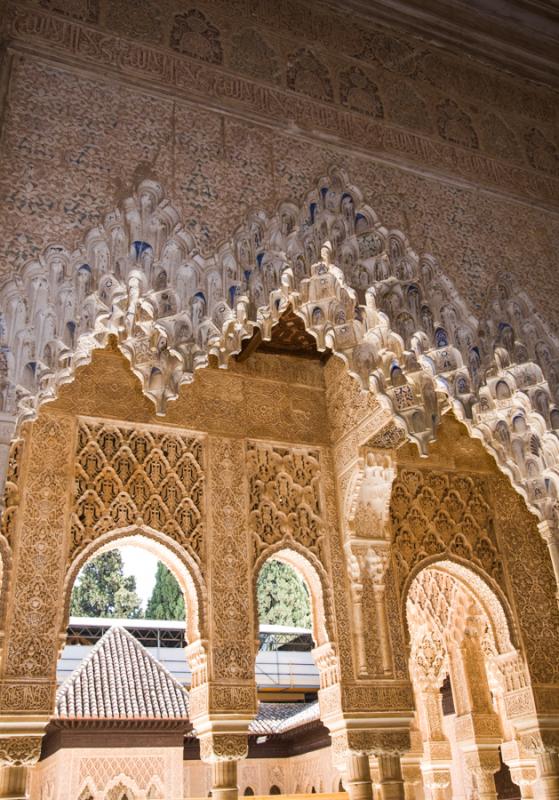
pixel 142 565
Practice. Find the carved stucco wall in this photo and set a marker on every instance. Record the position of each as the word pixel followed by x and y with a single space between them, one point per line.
pixel 143 771
pixel 302 480
pixel 71 141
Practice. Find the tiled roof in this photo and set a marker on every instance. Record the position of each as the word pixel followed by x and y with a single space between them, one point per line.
pixel 283 717
pixel 120 680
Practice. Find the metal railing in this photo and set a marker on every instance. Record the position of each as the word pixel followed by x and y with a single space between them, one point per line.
pixel 284 660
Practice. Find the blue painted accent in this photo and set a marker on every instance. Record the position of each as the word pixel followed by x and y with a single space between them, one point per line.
pixel 259 258
pixel 200 296
pixel 324 191
pixel 232 294
pixel 140 248
pixel 359 217
pixel 247 273
pixel 441 339
pixel 85 267
pixel 313 212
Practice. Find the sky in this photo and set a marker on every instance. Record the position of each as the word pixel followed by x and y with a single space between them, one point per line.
pixel 142 565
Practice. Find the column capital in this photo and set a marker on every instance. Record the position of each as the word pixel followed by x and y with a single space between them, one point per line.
pixel 19 751
pixel 370 742
pixel 215 747
pixel 541 742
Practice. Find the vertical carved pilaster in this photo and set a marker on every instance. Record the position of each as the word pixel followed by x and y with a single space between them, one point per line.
pixel 223 699
pixel 549 531
pixel 40 538
pixel 377 562
pixel 7 427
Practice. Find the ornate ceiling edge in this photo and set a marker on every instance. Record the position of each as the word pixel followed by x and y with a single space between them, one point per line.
pixel 39 34
pixel 523 51
pixel 394 317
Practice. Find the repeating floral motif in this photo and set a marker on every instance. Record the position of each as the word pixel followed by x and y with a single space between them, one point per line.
pixel 434 513
pixel 392 315
pixel 284 498
pixel 126 476
pixel 533 583
pixel 232 621
pixel 38 565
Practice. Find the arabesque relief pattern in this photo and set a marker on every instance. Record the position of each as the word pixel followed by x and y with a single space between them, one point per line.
pixel 392 315
pixel 437 513
pixel 285 498
pixel 131 476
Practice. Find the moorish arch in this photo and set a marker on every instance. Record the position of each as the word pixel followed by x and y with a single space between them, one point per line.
pixel 229 495
pixel 316 581
pixel 460 632
pixel 362 292
pixel 166 550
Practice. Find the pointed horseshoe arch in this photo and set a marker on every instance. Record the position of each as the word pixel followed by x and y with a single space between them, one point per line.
pixel 362 292
pixel 175 558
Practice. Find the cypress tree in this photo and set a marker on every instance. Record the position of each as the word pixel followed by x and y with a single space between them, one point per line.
pixel 166 601
pixel 283 598
pixel 102 589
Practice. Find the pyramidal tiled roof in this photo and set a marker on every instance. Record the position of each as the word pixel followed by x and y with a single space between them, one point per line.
pixel 120 680
pixel 282 717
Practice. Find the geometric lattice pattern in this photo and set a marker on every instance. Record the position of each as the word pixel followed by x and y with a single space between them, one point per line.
pixel 435 513
pixel 101 771
pixel 127 475
pixel 284 496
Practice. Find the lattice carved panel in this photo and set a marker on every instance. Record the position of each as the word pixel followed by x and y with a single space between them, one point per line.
pixel 284 497
pixel 126 476
pixel 435 513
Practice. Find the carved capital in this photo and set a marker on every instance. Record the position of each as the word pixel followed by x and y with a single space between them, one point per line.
pixel 541 742
pixel 19 751
pixel 216 747
pixel 369 513
pixel 372 742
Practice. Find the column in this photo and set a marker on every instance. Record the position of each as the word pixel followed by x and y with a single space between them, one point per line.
pixel 355 572
pixel 7 427
pixel 358 782
pixel 375 559
pixel 13 783
pixel 224 780
pixel 478 730
pixel 522 767
pixel 391 780
pixel 547 766
pixel 525 778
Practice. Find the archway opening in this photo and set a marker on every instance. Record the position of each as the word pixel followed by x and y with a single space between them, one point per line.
pixel 136 582
pixel 285 668
pixel 464 668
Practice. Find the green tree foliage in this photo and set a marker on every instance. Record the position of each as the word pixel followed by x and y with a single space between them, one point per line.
pixel 102 590
pixel 283 598
pixel 166 601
